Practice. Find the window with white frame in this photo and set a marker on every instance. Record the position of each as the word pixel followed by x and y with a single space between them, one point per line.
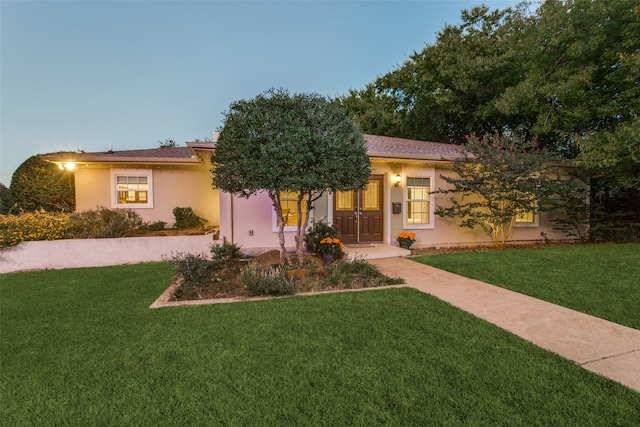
pixel 418 212
pixel 132 188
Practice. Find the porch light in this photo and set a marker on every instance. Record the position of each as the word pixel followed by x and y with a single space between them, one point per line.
pixel 397 180
pixel 68 166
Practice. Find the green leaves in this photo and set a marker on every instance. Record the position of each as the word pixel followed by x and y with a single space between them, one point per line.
pixel 567 74
pixel 288 142
pixel 301 143
pixel 37 184
pixel 500 179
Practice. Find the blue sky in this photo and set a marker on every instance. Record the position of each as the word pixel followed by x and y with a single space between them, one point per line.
pixel 86 74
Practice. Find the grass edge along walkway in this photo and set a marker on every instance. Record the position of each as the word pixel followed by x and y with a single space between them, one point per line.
pixel 598 279
pixel 598 345
pixel 82 347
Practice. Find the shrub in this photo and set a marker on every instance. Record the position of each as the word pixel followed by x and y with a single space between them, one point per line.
pixel 37 184
pixel 226 252
pixel 316 233
pixel 102 222
pixel 347 274
pixel 186 218
pixel 270 281
pixel 29 226
pixel 156 226
pixel 191 268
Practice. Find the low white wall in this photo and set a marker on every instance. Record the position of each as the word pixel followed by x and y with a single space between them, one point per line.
pixel 97 252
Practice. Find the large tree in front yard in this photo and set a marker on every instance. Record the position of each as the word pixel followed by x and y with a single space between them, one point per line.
pixel 280 142
pixel 497 180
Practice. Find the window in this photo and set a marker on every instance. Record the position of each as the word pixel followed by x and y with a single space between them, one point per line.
pixel 345 200
pixel 289 205
pixel 132 188
pixel 418 212
pixel 527 217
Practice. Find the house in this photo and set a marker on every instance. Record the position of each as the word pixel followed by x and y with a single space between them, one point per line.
pixel 397 198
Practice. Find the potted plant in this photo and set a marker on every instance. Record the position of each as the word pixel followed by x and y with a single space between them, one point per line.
pixel 331 249
pixel 406 239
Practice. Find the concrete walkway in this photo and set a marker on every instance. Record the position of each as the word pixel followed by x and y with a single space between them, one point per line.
pixel 600 346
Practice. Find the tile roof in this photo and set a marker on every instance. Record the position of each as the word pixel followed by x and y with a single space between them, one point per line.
pixel 400 148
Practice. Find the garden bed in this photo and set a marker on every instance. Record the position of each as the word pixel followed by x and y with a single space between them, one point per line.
pixel 236 276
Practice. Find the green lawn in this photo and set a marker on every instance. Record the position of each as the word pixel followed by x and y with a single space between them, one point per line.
pixel 601 280
pixel 81 347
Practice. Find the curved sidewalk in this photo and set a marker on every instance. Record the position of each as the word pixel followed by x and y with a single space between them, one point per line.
pixel 600 346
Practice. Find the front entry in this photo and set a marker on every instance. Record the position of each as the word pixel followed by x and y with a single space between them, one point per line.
pixel 358 214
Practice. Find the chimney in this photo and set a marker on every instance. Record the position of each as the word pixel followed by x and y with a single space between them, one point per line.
pixel 215 136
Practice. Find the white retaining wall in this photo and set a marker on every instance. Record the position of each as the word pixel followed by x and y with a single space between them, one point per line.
pixel 98 252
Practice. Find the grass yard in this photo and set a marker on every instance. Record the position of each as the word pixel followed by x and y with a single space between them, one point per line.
pixel 81 347
pixel 601 280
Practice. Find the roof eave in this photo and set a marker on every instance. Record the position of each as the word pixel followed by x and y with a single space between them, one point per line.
pixel 396 156
pixel 121 160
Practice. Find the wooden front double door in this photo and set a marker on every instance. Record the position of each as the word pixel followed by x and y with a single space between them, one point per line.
pixel 358 214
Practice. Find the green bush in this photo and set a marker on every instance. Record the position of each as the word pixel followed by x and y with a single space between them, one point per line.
pixel 347 274
pixel 186 218
pixel 226 252
pixel 37 184
pixel 156 226
pixel 102 222
pixel 191 268
pixel 29 226
pixel 316 233
pixel 270 281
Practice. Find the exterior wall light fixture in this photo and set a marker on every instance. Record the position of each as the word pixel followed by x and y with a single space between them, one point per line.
pixel 396 180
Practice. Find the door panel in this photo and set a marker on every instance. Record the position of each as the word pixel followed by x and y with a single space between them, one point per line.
pixel 371 211
pixel 358 215
pixel 344 215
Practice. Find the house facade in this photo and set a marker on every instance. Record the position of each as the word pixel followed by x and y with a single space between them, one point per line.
pixel 397 198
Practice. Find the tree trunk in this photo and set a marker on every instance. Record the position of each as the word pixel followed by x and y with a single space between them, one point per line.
pixel 303 225
pixel 275 199
pixel 300 229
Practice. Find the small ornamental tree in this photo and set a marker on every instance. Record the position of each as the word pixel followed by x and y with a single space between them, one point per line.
pixel 496 181
pixel 296 143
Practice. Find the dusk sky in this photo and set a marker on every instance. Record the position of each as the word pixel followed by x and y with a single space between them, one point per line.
pixel 89 74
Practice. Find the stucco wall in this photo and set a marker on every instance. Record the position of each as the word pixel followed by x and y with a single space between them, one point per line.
pixel 253 225
pixel 186 186
pixel 97 252
pixel 253 222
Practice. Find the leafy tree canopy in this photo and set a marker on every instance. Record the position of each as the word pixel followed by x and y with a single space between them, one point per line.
pixel 167 143
pixel 37 184
pixel 283 142
pixel 567 74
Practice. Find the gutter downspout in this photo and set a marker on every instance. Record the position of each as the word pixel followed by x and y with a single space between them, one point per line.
pixel 231 205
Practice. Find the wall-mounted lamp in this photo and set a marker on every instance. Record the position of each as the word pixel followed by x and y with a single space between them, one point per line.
pixel 68 166
pixel 397 180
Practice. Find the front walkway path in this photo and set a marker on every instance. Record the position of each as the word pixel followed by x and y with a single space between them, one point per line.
pixel 598 345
